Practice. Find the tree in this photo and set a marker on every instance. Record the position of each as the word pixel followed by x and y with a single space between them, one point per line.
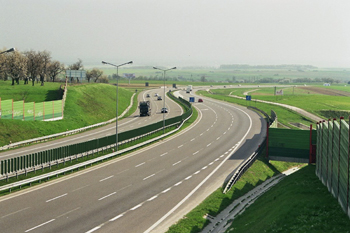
pixel 203 78
pixel 94 74
pixel 3 73
pixel 76 66
pixel 103 79
pixel 33 65
pixel 54 68
pixel 45 59
pixel 16 66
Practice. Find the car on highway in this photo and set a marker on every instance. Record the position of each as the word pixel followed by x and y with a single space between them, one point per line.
pixel 159 98
pixel 148 96
pixel 164 110
pixel 200 100
pixel 156 94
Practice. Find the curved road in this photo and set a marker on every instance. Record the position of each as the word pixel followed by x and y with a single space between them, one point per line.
pixel 147 190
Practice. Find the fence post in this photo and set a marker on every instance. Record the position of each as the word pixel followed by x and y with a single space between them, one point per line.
pixel 341 118
pixel 12 109
pixel 0 108
pixel 347 189
pixel 23 109
pixel 34 110
pixel 44 110
pixel 310 145
pixel 267 140
pixel 53 109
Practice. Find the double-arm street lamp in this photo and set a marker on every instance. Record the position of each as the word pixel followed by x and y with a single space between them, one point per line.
pixel 116 120
pixel 164 70
pixel 9 50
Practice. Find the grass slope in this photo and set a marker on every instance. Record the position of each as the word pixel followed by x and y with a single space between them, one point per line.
pixel 300 203
pixel 85 105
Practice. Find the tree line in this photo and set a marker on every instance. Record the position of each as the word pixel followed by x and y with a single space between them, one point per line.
pixel 38 66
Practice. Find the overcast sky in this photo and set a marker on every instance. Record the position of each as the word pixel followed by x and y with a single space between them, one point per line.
pixel 181 32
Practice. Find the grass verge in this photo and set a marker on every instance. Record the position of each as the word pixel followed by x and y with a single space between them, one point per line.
pixel 260 171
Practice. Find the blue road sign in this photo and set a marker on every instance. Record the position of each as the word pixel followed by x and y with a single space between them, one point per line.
pixel 248 97
pixel 191 99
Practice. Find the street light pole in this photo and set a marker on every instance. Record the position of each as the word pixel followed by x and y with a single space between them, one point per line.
pixel 116 120
pixel 164 70
pixel 9 50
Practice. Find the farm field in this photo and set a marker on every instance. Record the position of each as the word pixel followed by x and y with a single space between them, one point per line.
pixel 214 75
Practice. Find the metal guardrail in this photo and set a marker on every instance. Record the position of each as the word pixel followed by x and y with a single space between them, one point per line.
pixel 70 132
pixel 86 163
pixel 241 169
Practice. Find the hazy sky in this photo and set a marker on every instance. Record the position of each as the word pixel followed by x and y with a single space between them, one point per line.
pixel 181 32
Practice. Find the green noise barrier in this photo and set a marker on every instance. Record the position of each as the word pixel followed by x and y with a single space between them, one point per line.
pixel 332 159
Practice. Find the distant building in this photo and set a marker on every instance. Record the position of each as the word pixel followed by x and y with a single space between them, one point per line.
pixel 326 84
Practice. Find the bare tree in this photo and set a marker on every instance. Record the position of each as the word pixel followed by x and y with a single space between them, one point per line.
pixel 76 66
pixel 54 68
pixel 45 59
pixel 33 65
pixel 94 74
pixel 16 66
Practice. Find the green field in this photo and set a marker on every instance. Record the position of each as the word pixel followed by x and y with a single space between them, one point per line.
pixel 324 106
pixel 214 75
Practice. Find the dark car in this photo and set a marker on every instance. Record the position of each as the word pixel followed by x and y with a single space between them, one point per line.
pixel 200 100
pixel 159 98
pixel 148 96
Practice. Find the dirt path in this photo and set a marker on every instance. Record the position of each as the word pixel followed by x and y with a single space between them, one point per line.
pixel 326 91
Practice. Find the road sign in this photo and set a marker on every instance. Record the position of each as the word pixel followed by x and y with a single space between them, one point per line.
pixel 248 97
pixel 76 74
pixel 191 99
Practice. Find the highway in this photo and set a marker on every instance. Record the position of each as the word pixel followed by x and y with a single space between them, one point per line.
pixel 147 190
pixel 128 123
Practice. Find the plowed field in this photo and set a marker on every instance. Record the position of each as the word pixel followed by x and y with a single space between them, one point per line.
pixel 326 91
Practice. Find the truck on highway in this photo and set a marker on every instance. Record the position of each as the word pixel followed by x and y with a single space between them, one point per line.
pixel 145 108
pixel 189 89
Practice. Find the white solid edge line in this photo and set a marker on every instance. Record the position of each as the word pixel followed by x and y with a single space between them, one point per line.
pixel 201 183
pixel 40 225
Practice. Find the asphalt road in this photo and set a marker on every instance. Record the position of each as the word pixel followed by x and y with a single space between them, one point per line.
pixel 147 190
pixel 128 123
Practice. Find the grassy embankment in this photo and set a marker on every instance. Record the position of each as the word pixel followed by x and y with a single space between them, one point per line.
pixel 85 105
